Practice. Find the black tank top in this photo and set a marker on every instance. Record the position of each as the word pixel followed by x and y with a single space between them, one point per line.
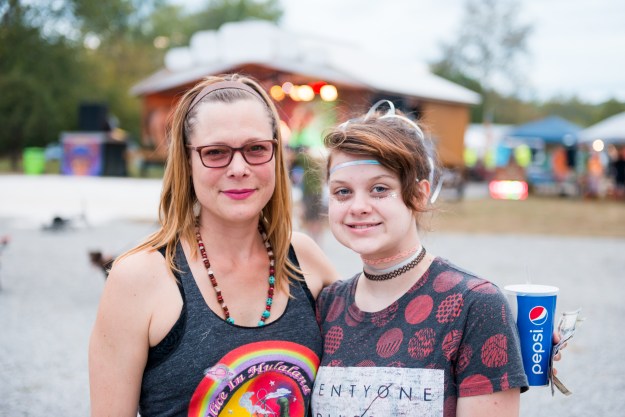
pixel 207 367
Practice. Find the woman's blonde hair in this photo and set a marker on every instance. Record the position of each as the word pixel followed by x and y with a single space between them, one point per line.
pixel 176 210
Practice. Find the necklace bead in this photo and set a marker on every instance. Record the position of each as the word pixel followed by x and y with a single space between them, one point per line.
pixel 211 276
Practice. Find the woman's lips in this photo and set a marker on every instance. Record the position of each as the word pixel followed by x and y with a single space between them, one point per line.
pixel 239 194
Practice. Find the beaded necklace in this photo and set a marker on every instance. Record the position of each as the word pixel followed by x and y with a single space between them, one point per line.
pixel 405 267
pixel 272 280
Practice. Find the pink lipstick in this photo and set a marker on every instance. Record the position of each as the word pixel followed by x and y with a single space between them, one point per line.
pixel 241 194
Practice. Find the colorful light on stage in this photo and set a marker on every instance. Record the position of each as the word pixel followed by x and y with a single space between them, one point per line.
pixel 328 93
pixel 508 190
pixel 305 92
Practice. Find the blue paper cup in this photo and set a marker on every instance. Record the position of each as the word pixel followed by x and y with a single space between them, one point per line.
pixel 534 307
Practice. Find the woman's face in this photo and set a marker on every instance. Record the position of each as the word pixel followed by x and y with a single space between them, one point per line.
pixel 366 211
pixel 239 191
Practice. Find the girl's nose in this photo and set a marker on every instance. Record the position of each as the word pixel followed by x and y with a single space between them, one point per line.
pixel 360 204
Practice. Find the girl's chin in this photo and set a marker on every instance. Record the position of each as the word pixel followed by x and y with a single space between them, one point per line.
pixel 362 249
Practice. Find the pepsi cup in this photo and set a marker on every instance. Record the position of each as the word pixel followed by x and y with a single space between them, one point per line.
pixel 534 307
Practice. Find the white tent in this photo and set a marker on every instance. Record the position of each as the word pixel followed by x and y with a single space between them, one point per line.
pixel 610 130
pixel 481 138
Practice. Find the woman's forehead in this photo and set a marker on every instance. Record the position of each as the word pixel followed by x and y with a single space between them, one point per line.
pixel 344 166
pixel 239 116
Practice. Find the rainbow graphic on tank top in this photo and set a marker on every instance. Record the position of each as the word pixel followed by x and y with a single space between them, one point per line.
pixel 262 378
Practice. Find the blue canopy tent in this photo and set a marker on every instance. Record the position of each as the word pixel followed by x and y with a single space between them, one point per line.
pixel 552 141
pixel 538 135
pixel 550 130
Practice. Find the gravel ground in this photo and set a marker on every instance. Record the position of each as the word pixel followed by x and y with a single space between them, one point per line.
pixel 48 302
pixel 49 295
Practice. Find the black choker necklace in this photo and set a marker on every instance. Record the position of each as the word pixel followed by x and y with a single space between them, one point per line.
pixel 397 272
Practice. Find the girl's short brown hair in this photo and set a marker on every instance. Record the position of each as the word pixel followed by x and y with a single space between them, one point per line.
pixel 397 143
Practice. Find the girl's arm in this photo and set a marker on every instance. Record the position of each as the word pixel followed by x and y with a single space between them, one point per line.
pixel 499 404
pixel 317 269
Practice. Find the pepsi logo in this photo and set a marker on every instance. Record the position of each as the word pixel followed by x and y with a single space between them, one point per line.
pixel 538 315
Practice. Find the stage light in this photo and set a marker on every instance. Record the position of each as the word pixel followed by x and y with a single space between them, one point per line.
pixel 328 93
pixel 508 190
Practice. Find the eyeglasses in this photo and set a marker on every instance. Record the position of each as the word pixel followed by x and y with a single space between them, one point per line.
pixel 218 156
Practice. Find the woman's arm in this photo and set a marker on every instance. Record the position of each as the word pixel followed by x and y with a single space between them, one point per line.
pixel 119 341
pixel 318 271
pixel 499 404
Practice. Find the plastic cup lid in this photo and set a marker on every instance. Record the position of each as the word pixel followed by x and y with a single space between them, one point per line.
pixel 531 289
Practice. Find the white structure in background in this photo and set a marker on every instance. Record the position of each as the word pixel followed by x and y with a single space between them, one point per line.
pixel 264 43
pixel 608 131
pixel 482 138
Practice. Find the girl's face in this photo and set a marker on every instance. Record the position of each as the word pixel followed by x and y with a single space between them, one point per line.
pixel 366 211
pixel 239 191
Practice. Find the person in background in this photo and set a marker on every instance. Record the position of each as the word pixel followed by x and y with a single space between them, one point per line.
pixel 214 312
pixel 618 168
pixel 305 145
pixel 412 333
pixel 312 219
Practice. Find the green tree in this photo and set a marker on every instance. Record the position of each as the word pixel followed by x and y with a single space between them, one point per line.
pixel 131 37
pixel 446 69
pixel 607 109
pixel 38 79
pixel 55 55
pixel 512 110
pixel 111 19
pixel 571 108
pixel 488 48
pixel 175 27
pixel 118 52
pixel 218 12
pixel 169 26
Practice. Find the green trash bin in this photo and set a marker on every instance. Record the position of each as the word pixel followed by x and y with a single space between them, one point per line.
pixel 34 161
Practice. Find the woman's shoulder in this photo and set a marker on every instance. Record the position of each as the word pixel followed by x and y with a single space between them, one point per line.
pixel 340 288
pixel 302 243
pixel 447 274
pixel 139 270
pixel 140 260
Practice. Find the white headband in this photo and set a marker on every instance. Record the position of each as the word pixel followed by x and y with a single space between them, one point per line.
pixel 352 163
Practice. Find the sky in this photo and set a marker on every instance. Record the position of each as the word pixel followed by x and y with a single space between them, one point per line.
pixel 577 47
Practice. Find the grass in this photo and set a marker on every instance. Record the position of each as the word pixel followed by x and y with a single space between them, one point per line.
pixel 536 215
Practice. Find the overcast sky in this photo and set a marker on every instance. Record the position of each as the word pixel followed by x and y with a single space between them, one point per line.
pixel 577 46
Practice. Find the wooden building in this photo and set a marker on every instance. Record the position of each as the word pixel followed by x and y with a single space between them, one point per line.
pixel 287 64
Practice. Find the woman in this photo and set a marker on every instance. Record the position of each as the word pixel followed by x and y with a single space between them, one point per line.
pixel 211 314
pixel 412 334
